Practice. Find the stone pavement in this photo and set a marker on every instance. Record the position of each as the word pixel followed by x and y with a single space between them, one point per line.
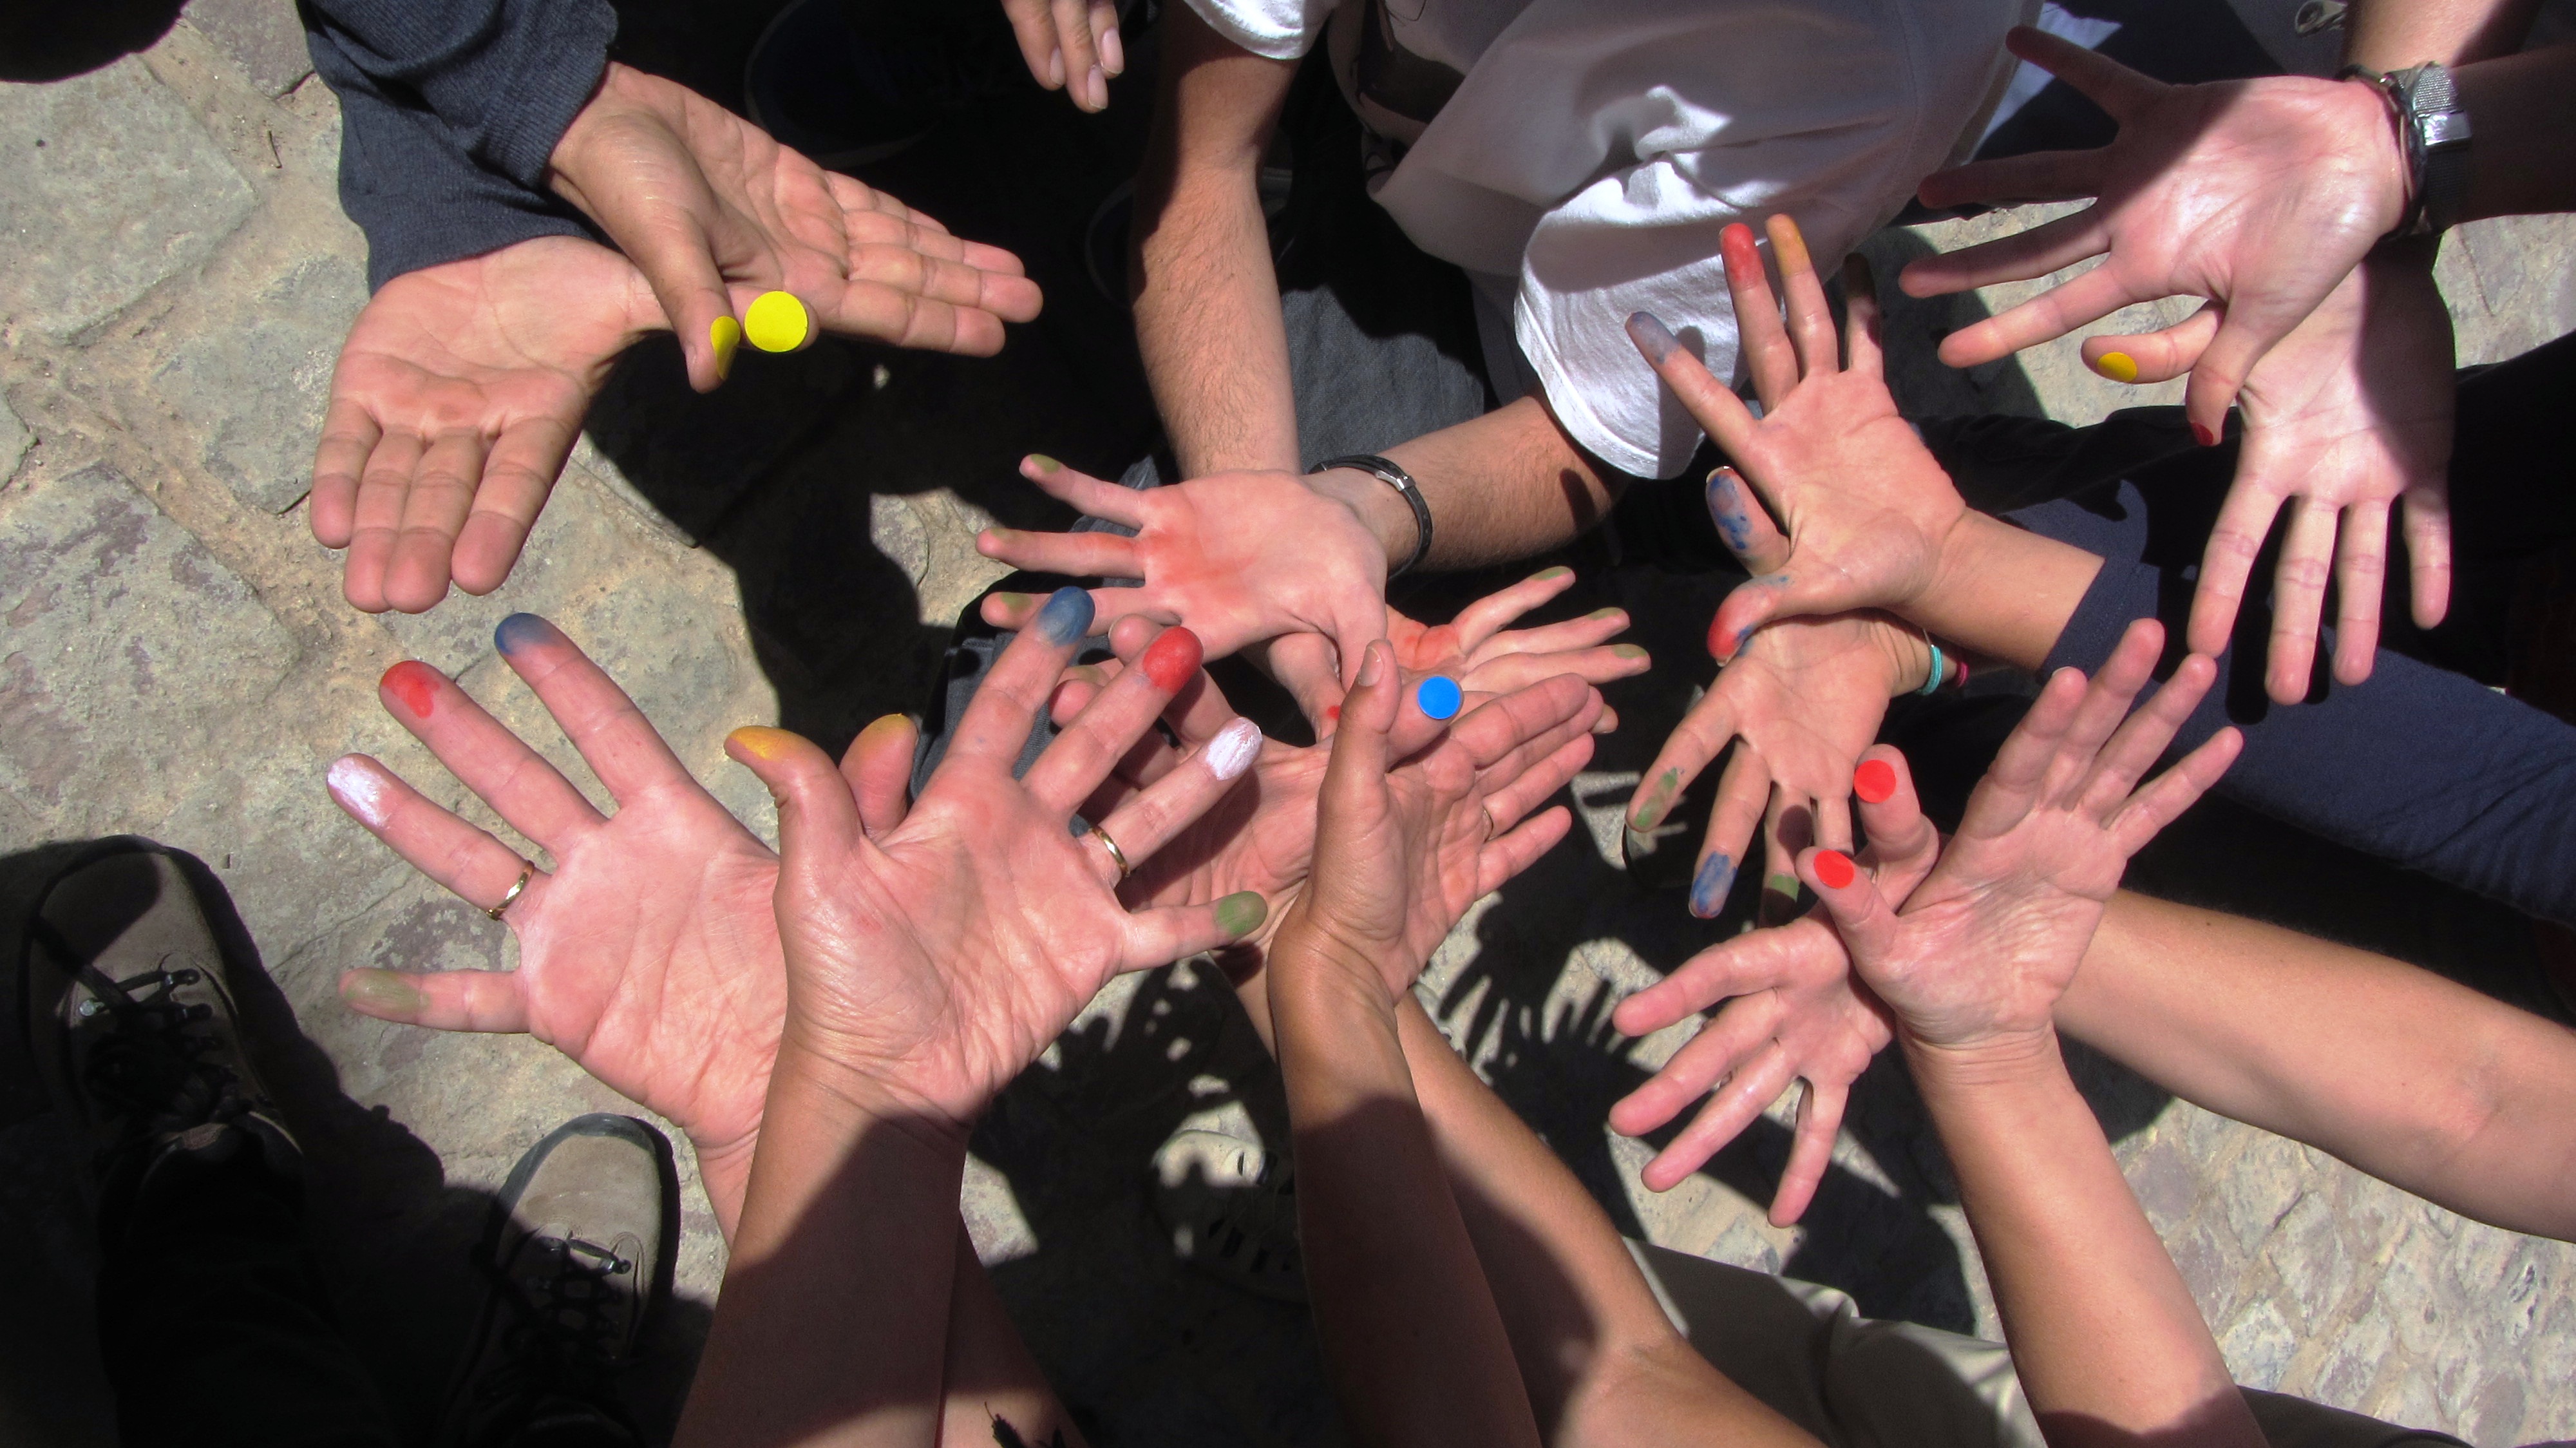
pixel 177 662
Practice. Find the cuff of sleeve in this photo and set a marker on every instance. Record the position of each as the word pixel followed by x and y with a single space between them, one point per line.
pixel 1272 44
pixel 1575 413
pixel 556 77
pixel 2119 594
pixel 433 239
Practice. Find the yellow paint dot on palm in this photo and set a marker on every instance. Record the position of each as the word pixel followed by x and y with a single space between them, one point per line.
pixel 2118 366
pixel 777 322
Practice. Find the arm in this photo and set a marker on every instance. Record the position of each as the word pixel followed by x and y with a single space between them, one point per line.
pixel 2422 1083
pixel 1502 486
pixel 2521 109
pixel 2394 34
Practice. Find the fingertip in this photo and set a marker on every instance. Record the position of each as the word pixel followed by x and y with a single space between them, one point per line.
pixel 1832 869
pixel 1652 337
pixel 523 631
pixel 383 994
pixel 414 685
pixel 754 745
pixel 724 336
pixel 2117 366
pixel 1172 659
pixel 1066 617
pixel 1241 913
pixel 1874 781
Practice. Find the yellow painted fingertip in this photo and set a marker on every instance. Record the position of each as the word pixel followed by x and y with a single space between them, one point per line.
pixel 2118 366
pixel 761 741
pixel 724 334
pixel 777 322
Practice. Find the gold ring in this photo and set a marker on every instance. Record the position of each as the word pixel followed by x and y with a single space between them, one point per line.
pixel 527 872
pixel 1117 856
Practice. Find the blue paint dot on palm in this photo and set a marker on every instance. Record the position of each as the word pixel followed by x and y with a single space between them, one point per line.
pixel 1438 696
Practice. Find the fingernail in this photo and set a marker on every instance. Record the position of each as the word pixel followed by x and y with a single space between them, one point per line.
pixel 382 989
pixel 1546 574
pixel 1652 337
pixel 1066 617
pixel 2118 366
pixel 1651 810
pixel 1438 697
pixel 1709 887
pixel 1874 781
pixel 763 741
pixel 777 322
pixel 1628 651
pixel 1233 749
pixel 1834 868
pixel 1113 53
pixel 1170 659
pixel 1043 463
pixel 522 630
pixel 2203 436
pixel 1241 913
pixel 1098 88
pixel 1055 69
pixel 415 684
pixel 358 789
pixel 1370 668
pixel 724 334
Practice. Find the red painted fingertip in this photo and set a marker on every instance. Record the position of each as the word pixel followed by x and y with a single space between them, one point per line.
pixel 1720 641
pixel 1833 869
pixel 415 684
pixel 2203 436
pixel 1874 781
pixel 1171 659
pixel 1333 712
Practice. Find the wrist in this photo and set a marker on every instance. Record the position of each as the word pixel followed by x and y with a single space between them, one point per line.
pixel 1908 653
pixel 1379 509
pixel 2003 1058
pixel 1328 968
pixel 570 160
pixel 825 1085
pixel 2376 124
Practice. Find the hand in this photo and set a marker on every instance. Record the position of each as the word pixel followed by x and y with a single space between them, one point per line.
pixel 1804 698
pixel 1070 43
pixel 1401 852
pixel 2350 412
pixel 716 213
pixel 2259 194
pixel 927 966
pixel 455 402
pixel 1980 952
pixel 1237 557
pixel 1484 657
pixel 1869 515
pixel 1791 1011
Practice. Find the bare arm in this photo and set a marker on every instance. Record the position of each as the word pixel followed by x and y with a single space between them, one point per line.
pixel 1206 299
pixel 2422 1083
pixel 1502 486
pixel 2522 108
pixel 2394 34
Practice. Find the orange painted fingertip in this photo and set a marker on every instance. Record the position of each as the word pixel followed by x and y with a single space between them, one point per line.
pixel 1874 781
pixel 415 684
pixel 761 742
pixel 2118 366
pixel 1833 869
pixel 1788 243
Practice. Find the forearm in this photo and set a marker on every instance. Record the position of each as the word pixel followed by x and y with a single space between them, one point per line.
pixel 1502 486
pixel 1410 1331
pixel 2423 1083
pixel 1206 300
pixel 836 1299
pixel 2108 1343
pixel 2004 592
pixel 1602 1363
pixel 2394 34
pixel 2521 110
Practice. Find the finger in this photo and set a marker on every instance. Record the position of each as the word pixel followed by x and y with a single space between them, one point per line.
pixel 1744 524
pixel 1862 346
pixel 1033 25
pixel 996 725
pixel 2003 798
pixel 1743 1097
pixel 619 744
pixel 2143 738
pixel 1811 320
pixel 2076 302
pixel 376 521
pixel 1788 827
pixel 1722 1046
pixel 1305 665
pixel 1769 356
pixel 2299 598
pixel 1593 666
pixel 349 435
pixel 1175 932
pixel 1701 736
pixel 1104 34
pixel 1491 731
pixel 2121 92
pixel 878 766
pixel 1502 861
pixel 1903 843
pixel 1074 555
pixel 1487 616
pixel 2105 705
pixel 465 861
pixel 1084 80
pixel 1563 636
pixel 1361 751
pixel 2361 573
pixel 2022 256
pixel 1743 797
pixel 1820 1120
pixel 678 262
pixel 443 1000
pixel 486 757
pixel 2146 357
pixel 1149 819
pixel 434 511
pixel 518 477
pixel 2004 181
pixel 1795 592
pixel 2177 789
pixel 1861 915
pixel 1083 753
pixel 1549 770
pixel 817 819
pixel 1718 411
pixel 1742 966
pixel 2428 548
pixel 2227 562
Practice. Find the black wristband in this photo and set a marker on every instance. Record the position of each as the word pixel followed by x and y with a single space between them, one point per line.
pixel 1405 487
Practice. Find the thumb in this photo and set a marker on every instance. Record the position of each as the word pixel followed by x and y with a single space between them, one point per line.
pixel 2243 336
pixel 2154 356
pixel 817 816
pixel 1758 601
pixel 1902 841
pixel 878 767
pixel 1360 746
pixel 678 263
pixel 1862 916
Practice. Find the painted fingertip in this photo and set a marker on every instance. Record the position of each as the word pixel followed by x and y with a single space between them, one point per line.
pixel 522 631
pixel 724 334
pixel 2118 366
pixel 1874 781
pixel 1043 463
pixel 762 742
pixel 1439 697
pixel 1833 869
pixel 1722 642
pixel 1171 659
pixel 1652 337
pixel 1233 749
pixel 2203 436
pixel 360 790
pixel 1604 615
pixel 777 322
pixel 1550 575
pixel 384 991
pixel 1658 801
pixel 1241 913
pixel 1628 651
pixel 881 731
pixel 415 684
pixel 1709 887
pixel 1066 617
pixel 1788 243
pixel 1726 508
pixel 1779 898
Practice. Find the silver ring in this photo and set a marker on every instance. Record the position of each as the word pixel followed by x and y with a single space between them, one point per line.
pixel 1117 856
pixel 527 872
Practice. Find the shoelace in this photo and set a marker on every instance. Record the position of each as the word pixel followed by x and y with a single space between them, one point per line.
pixel 151 1062
pixel 562 1333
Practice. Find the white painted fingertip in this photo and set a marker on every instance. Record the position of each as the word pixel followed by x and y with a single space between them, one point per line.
pixel 1233 749
pixel 360 791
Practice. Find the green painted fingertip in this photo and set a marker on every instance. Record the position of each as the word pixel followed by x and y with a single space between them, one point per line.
pixel 1043 463
pixel 1549 575
pixel 381 990
pixel 1627 651
pixel 1241 913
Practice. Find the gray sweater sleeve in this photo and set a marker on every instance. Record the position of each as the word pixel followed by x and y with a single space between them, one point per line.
pixel 449 109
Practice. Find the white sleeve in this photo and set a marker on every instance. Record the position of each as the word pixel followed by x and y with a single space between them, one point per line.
pixel 1278 29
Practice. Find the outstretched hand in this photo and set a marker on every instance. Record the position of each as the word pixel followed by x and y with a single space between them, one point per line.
pixel 1072 44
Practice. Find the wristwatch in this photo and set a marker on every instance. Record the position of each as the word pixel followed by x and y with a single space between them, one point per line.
pixel 1386 471
pixel 2436 127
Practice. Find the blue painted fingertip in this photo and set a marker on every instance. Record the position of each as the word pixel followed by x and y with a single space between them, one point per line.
pixel 1439 697
pixel 1066 617
pixel 1709 887
pixel 1652 337
pixel 1726 506
pixel 522 630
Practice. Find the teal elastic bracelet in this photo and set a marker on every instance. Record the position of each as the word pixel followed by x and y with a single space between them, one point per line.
pixel 1932 684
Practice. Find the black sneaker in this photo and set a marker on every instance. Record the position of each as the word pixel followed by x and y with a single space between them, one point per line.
pixel 848 82
pixel 130 1021
pixel 579 1252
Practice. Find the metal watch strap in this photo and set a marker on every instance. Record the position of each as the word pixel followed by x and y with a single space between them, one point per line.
pixel 2435 131
pixel 1395 477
